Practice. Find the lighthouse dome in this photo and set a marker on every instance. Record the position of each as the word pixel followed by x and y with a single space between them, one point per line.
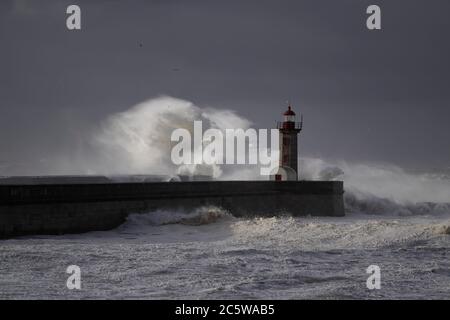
pixel 289 112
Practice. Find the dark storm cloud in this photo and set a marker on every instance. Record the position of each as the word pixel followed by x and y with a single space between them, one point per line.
pixel 366 95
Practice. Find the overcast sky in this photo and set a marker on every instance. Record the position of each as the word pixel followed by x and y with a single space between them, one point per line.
pixel 378 96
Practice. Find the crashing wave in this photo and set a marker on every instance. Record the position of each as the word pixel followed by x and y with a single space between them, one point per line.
pixel 383 189
pixel 360 202
pixel 199 216
pixel 441 229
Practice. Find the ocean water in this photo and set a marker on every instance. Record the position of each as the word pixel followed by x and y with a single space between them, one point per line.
pixel 209 254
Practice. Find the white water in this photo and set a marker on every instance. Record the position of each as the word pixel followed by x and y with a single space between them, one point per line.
pixel 395 219
pixel 137 141
pixel 210 254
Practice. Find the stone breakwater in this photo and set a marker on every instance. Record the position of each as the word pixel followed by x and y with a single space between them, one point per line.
pixel 77 208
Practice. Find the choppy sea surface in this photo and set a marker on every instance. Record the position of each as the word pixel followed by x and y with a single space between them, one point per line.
pixel 209 254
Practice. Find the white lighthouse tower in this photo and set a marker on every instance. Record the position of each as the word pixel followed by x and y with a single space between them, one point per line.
pixel 289 130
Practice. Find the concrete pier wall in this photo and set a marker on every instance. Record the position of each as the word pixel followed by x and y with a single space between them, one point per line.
pixel 76 208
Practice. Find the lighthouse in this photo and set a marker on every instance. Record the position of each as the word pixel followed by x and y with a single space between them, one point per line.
pixel 289 129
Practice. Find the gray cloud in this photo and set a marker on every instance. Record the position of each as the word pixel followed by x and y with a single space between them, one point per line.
pixel 378 96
